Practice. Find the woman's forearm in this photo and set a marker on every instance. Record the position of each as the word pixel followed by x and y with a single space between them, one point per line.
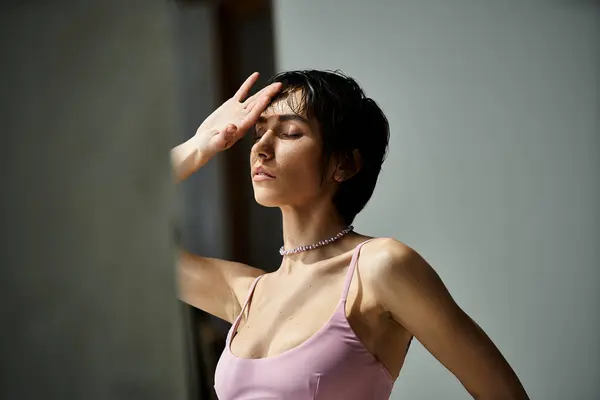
pixel 187 158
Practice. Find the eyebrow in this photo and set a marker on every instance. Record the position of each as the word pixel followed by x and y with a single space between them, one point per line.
pixel 284 118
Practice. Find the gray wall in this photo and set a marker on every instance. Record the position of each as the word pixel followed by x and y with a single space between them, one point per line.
pixel 88 108
pixel 493 167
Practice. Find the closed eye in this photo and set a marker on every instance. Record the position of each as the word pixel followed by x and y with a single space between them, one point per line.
pixel 291 135
pixel 258 134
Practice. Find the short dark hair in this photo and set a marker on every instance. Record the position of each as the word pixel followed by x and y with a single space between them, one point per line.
pixel 348 120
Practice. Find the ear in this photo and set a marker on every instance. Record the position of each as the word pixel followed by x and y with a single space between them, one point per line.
pixel 348 165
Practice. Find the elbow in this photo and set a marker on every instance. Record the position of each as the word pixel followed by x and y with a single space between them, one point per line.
pixel 507 388
pixel 504 393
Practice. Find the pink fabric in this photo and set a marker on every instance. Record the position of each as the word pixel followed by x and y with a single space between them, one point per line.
pixel 332 364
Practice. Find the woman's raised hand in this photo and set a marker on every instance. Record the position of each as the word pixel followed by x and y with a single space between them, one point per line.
pixel 228 123
pixel 225 126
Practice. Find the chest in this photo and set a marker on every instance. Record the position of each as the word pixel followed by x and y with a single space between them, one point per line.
pixel 285 313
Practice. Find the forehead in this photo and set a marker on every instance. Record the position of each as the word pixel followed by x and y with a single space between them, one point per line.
pixel 285 104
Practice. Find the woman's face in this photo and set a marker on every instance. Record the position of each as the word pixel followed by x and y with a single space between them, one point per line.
pixel 285 159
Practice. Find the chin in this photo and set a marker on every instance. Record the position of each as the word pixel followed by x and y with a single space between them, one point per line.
pixel 266 199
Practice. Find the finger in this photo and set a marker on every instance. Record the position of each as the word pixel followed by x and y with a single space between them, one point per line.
pixel 254 112
pixel 229 135
pixel 230 129
pixel 250 100
pixel 265 98
pixel 243 91
pixel 269 90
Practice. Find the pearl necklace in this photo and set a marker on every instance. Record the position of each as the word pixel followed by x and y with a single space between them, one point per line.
pixel 322 243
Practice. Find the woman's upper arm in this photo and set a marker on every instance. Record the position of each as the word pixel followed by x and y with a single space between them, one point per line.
pixel 417 299
pixel 215 286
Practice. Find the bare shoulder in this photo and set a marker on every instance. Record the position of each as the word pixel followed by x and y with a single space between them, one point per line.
pixel 216 286
pixel 388 255
pixel 414 295
pixel 393 265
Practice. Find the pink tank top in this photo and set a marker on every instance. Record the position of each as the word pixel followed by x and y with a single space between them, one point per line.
pixel 332 364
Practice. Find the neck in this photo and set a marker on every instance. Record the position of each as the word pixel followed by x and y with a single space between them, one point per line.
pixel 306 225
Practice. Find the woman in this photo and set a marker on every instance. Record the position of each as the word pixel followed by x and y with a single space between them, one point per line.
pixel 336 319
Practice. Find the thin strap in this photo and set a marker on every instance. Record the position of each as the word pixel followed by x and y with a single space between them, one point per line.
pixel 248 298
pixel 351 269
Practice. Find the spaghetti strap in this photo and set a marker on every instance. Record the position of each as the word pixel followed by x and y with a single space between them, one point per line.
pixel 248 298
pixel 351 269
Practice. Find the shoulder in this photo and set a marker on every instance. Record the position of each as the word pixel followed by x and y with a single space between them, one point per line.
pixel 388 255
pixel 394 267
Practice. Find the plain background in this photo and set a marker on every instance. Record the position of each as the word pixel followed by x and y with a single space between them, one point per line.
pixel 492 173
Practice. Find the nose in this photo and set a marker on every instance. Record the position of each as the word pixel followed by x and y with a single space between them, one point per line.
pixel 264 146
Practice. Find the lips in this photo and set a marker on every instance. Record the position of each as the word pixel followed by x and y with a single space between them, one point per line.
pixel 261 171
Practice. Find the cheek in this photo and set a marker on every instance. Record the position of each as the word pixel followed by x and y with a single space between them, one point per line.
pixel 302 166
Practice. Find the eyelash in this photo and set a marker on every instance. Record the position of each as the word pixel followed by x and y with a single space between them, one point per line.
pixel 285 135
